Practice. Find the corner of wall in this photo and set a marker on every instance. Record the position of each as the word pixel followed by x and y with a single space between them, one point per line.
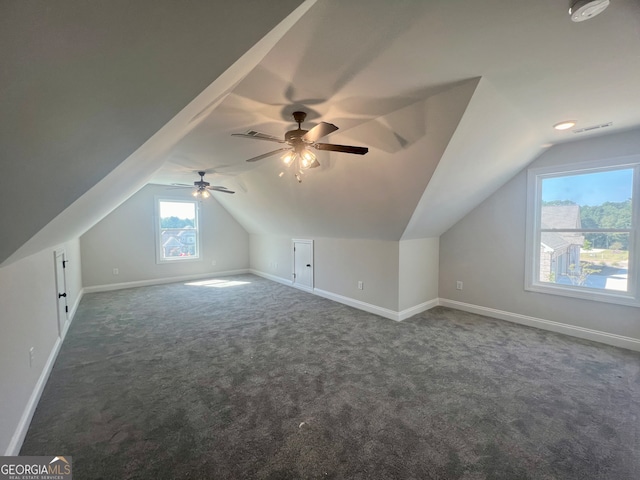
pixel 418 265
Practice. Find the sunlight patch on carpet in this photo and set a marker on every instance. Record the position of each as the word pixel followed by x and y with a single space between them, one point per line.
pixel 218 283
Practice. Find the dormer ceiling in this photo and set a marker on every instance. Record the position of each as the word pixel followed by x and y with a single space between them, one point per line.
pixel 452 99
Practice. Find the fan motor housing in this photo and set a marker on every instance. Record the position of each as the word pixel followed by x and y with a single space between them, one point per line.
pixel 294 136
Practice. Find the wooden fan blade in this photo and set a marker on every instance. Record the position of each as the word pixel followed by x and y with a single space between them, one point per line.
pixel 319 131
pixel 258 136
pixel 181 185
pixel 265 155
pixel 219 188
pixel 341 148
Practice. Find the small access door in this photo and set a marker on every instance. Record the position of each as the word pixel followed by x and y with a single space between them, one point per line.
pixel 303 264
pixel 61 290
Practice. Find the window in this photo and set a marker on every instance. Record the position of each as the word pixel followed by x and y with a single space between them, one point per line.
pixel 177 230
pixel 582 231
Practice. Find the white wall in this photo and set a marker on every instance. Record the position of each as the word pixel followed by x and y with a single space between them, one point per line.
pixel 338 266
pixel 486 251
pixel 341 263
pixel 28 318
pixel 125 240
pixel 272 255
pixel 397 276
pixel 418 272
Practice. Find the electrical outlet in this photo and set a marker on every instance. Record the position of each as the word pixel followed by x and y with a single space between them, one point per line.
pixel 116 271
pixel 360 285
pixel 458 285
pixel 32 356
pixel 213 263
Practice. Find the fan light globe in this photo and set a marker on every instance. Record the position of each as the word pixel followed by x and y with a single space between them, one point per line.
pixel 201 192
pixel 288 157
pixel 307 159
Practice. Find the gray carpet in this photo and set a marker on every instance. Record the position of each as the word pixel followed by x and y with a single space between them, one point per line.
pixel 259 380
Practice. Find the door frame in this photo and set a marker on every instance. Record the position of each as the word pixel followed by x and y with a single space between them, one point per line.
pixel 293 263
pixel 61 277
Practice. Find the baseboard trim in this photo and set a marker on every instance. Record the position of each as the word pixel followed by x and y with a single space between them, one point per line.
pixel 331 296
pixel 161 281
pixel 352 302
pixel 25 420
pixel 284 281
pixel 302 287
pixel 274 278
pixel 13 449
pixel 423 307
pixel 572 330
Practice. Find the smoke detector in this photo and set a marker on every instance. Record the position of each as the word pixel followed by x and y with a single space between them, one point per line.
pixel 582 10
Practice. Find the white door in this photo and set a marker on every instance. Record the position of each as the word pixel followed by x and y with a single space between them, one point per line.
pixel 303 264
pixel 61 291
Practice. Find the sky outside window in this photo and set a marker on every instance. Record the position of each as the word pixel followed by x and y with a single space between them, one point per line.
pixel 590 188
pixel 177 209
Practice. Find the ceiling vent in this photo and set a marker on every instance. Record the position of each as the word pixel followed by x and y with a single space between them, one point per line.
pixel 582 10
pixel 593 127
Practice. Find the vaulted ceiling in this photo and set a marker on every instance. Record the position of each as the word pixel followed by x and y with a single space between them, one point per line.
pixel 452 99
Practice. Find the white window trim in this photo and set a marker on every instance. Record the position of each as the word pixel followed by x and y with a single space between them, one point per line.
pixel 532 261
pixel 159 256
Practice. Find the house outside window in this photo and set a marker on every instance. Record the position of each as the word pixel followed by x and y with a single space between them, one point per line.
pixel 560 252
pixel 583 229
pixel 177 233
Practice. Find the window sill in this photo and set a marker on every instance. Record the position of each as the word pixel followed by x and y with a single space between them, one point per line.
pixel 178 260
pixel 585 294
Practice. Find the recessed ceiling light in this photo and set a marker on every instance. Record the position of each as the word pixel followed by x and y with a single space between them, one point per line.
pixel 566 125
pixel 582 10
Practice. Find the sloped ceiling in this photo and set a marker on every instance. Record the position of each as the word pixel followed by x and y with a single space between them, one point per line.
pixel 85 84
pixel 452 99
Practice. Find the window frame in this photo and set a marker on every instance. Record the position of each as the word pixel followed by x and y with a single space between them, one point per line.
pixel 535 176
pixel 160 259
